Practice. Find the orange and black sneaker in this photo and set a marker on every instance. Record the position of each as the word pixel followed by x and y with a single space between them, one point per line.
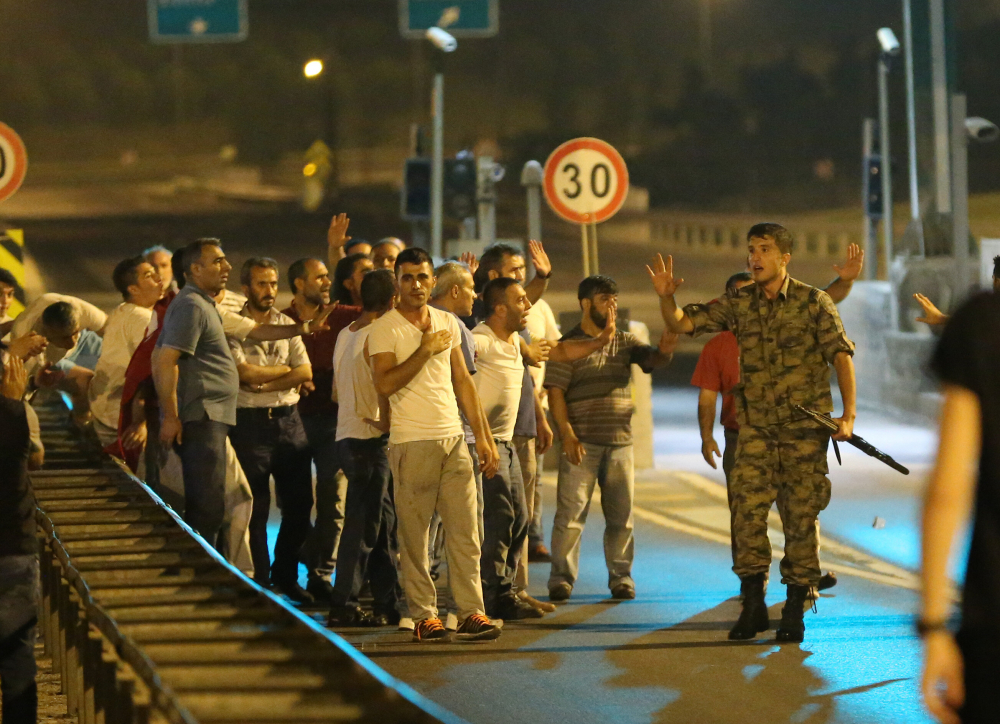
pixel 477 628
pixel 430 629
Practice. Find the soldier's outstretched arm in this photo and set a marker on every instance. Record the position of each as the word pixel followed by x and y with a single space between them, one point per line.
pixel 662 276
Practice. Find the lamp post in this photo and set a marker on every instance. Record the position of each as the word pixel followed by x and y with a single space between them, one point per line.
pixel 445 43
pixel 890 49
pixel 316 69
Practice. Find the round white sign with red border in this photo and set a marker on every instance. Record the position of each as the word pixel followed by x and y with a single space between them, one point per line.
pixel 13 161
pixel 585 181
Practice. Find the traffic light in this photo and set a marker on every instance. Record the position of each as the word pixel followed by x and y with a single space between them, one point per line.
pixel 416 196
pixel 873 186
pixel 460 188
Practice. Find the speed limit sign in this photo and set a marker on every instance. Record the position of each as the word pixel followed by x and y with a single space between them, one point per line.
pixel 13 161
pixel 585 181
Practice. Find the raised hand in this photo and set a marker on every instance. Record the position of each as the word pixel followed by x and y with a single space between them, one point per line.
pixel 662 276
pixel 336 235
pixel 435 342
pixel 15 379
pixel 543 267
pixel 470 260
pixel 932 315
pixel 851 269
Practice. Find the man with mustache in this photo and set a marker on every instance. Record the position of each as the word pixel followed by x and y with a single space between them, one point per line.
pixel 269 437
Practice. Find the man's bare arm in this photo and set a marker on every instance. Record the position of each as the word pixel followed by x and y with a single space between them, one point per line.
pixel 840 287
pixel 391 377
pixel 251 374
pixel 165 375
pixel 707 400
pixel 662 276
pixel 336 238
pixel 535 289
pixel 291 379
pixel 468 402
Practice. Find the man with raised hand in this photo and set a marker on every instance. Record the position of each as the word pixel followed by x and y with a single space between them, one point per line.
pixel 417 363
pixel 591 403
pixel 789 334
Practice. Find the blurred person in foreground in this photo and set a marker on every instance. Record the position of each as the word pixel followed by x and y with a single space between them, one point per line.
pixel 18 550
pixel 417 363
pixel 789 335
pixel 591 403
pixel 961 671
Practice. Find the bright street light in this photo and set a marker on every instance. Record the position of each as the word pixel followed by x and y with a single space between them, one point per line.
pixel 313 68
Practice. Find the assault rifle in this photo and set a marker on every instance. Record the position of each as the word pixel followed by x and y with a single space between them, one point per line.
pixel 859 442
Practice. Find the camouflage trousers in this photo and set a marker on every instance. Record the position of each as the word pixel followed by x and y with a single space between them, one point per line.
pixel 786 465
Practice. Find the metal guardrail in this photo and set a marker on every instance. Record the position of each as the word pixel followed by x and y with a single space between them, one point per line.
pixel 147 624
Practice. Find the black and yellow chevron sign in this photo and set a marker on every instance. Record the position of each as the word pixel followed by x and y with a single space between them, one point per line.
pixel 12 259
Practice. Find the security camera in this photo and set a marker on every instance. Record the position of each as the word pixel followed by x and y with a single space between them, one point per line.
pixel 981 130
pixel 887 39
pixel 442 39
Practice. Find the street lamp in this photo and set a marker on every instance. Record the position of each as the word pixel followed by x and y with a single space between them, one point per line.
pixel 445 42
pixel 890 49
pixel 313 68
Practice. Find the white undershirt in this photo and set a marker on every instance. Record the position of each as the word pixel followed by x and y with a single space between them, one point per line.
pixel 124 331
pixel 355 386
pixel 498 378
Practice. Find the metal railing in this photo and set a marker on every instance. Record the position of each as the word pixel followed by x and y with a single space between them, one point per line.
pixel 146 623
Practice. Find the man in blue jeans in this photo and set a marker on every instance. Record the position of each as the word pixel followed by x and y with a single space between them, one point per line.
pixel 197 384
pixel 591 404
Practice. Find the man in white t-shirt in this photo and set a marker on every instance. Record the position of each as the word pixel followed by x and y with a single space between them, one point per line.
pixel 363 451
pixel 139 284
pixel 417 363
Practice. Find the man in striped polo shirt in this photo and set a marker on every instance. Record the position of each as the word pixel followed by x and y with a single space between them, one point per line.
pixel 591 403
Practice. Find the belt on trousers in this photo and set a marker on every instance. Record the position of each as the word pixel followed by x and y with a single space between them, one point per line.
pixel 268 413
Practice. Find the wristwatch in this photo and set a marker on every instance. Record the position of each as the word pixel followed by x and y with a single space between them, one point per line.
pixel 925 627
pixel 542 276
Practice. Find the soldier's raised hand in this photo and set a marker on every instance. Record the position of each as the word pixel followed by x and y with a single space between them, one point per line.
pixel 662 276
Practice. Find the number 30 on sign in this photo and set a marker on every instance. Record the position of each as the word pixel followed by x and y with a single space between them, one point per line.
pixel 585 181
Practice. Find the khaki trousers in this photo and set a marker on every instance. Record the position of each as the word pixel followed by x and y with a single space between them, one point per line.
pixel 525 447
pixel 437 475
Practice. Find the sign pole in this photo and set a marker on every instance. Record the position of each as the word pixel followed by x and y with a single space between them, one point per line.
pixel 585 246
pixel 437 167
pixel 593 256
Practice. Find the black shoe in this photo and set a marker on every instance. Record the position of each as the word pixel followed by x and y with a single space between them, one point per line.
pixel 539 554
pixel 392 617
pixel 753 618
pixel 353 617
pixel 828 580
pixel 560 592
pixel 293 590
pixel 623 592
pixel 514 609
pixel 477 628
pixel 321 590
pixel 793 628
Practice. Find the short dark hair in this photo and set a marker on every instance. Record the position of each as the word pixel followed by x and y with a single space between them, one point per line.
pixel 255 262
pixel 378 289
pixel 7 277
pixel 343 272
pixel 996 266
pixel 596 284
pixel 495 293
pixel 492 260
pixel 413 255
pixel 193 251
pixel 298 271
pixel 736 279
pixel 178 268
pixel 126 274
pixel 782 236
pixel 353 243
pixel 60 316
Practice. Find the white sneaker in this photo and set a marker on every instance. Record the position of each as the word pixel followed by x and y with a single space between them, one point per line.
pixel 406 624
pixel 451 622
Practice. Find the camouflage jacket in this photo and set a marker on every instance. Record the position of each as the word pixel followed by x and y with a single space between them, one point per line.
pixel 786 348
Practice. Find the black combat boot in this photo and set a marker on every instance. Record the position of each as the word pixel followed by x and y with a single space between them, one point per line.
pixel 793 628
pixel 753 618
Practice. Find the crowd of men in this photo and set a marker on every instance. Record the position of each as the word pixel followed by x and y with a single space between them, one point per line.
pixel 422 398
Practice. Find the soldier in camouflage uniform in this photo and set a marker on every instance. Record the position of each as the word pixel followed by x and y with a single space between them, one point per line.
pixel 789 336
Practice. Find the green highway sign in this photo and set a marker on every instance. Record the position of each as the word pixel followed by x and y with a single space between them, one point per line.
pixel 461 18
pixel 197 21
